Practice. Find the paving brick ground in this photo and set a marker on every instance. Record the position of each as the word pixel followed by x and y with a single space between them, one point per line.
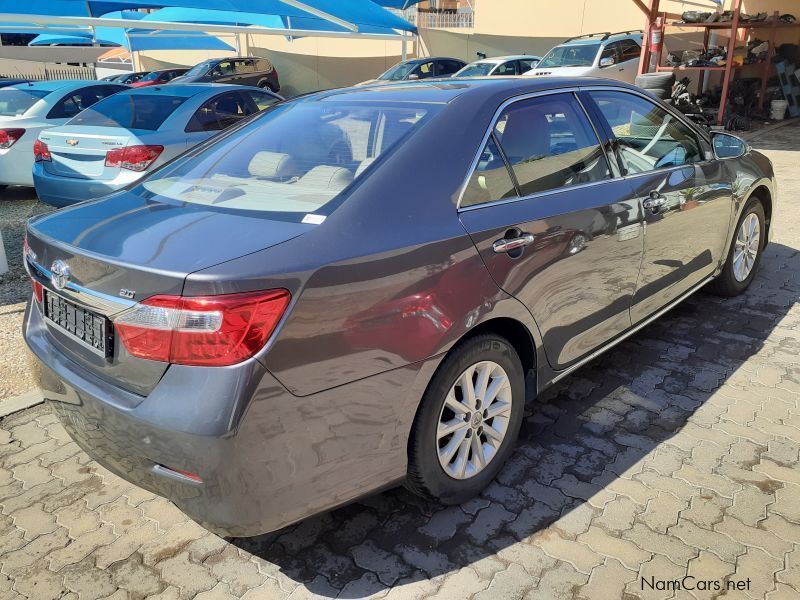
pixel 676 454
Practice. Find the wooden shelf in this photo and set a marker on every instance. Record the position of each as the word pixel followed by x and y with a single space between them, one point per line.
pixel 682 68
pixel 729 24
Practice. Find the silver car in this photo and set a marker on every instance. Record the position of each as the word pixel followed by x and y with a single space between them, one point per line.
pixel 124 137
pixel 500 65
pixel 28 109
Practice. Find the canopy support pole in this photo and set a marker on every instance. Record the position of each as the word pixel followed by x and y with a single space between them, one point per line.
pixel 404 50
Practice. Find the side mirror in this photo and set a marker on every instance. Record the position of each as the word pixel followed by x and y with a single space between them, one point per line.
pixel 607 61
pixel 413 76
pixel 728 146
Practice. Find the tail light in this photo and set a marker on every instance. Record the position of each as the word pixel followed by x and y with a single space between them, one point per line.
pixel 202 330
pixel 41 152
pixel 9 137
pixel 133 158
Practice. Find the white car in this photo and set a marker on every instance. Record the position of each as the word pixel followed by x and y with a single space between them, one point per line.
pixel 608 55
pixel 500 65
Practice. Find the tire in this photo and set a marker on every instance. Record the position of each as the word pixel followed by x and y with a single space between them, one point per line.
pixel 656 81
pixel 264 84
pixel 427 476
pixel 729 283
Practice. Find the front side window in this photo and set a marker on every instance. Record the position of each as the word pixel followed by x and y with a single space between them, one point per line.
pixel 223 69
pixel 294 159
pixel 507 68
pixel 151 76
pixel 490 181
pixel 477 69
pixel 526 64
pixel 577 55
pixel 648 136
pixel 424 70
pixel 131 111
pixel 630 50
pixel 448 67
pixel 612 50
pixel 549 143
pixel 261 99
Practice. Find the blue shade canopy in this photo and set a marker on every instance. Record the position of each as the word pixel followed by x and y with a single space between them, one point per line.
pixel 135 38
pixel 364 14
pixel 228 17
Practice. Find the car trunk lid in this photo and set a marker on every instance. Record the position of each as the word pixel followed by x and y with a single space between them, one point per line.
pixel 124 249
pixel 80 152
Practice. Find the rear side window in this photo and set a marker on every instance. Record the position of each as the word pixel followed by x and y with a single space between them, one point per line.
pixel 132 111
pixel 648 136
pixel 75 102
pixel 220 112
pixel 17 102
pixel 244 67
pixel 491 180
pixel 526 64
pixel 263 65
pixel 550 144
pixel 291 162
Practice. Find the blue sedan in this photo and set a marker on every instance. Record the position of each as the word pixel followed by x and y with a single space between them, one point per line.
pixel 123 137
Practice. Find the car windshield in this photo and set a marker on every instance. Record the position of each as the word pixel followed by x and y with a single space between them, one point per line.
pixel 476 69
pixel 199 69
pixel 132 111
pixel 290 162
pixel 17 102
pixel 577 55
pixel 398 72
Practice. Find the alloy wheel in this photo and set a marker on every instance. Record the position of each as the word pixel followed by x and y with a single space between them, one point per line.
pixel 745 250
pixel 474 420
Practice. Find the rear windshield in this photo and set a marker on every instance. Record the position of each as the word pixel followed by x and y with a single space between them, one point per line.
pixel 292 161
pixel 476 69
pixel 132 111
pixel 17 102
pixel 579 55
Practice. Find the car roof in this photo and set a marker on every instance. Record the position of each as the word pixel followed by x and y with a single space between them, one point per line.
pixel 446 90
pixel 57 84
pixel 598 39
pixel 423 59
pixel 499 59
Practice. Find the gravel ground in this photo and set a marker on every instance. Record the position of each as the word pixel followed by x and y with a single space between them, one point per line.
pixel 17 205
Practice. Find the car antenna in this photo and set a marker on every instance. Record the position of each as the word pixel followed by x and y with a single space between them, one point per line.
pixel 481 55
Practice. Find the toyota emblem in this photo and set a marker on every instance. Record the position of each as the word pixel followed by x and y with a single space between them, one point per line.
pixel 59 274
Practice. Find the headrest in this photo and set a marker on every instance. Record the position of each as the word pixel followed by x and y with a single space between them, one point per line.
pixel 526 134
pixel 271 164
pixel 326 177
pixel 364 165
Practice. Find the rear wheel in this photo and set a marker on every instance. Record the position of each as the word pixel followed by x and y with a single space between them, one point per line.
pixel 468 421
pixel 264 85
pixel 745 252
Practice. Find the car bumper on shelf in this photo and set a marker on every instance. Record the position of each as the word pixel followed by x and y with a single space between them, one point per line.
pixel 266 458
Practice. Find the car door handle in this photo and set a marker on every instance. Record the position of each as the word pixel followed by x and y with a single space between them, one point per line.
pixel 655 200
pixel 509 244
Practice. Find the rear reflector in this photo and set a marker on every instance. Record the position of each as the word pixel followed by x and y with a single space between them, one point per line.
pixel 169 471
pixel 38 291
pixel 41 152
pixel 9 137
pixel 202 330
pixel 133 158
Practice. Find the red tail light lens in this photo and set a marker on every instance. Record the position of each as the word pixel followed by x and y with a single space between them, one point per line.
pixel 133 158
pixel 41 152
pixel 9 137
pixel 202 330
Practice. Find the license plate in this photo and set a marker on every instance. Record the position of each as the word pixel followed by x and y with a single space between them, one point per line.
pixel 87 327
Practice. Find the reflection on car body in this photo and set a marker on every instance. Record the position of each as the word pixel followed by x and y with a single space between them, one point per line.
pixel 351 290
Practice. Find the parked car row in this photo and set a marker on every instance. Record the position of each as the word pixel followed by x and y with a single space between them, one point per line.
pixel 78 140
pixel 239 70
pixel 607 55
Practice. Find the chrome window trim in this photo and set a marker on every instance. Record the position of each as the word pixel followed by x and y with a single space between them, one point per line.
pixel 490 130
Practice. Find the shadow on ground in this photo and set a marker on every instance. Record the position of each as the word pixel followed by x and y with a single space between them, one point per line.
pixel 577 439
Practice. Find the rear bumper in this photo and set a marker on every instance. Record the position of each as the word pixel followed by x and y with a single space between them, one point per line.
pixel 15 165
pixel 64 191
pixel 267 458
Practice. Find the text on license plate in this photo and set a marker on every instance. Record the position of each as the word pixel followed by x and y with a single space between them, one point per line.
pixel 89 328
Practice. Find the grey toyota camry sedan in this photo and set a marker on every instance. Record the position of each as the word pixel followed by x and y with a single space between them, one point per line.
pixel 359 288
